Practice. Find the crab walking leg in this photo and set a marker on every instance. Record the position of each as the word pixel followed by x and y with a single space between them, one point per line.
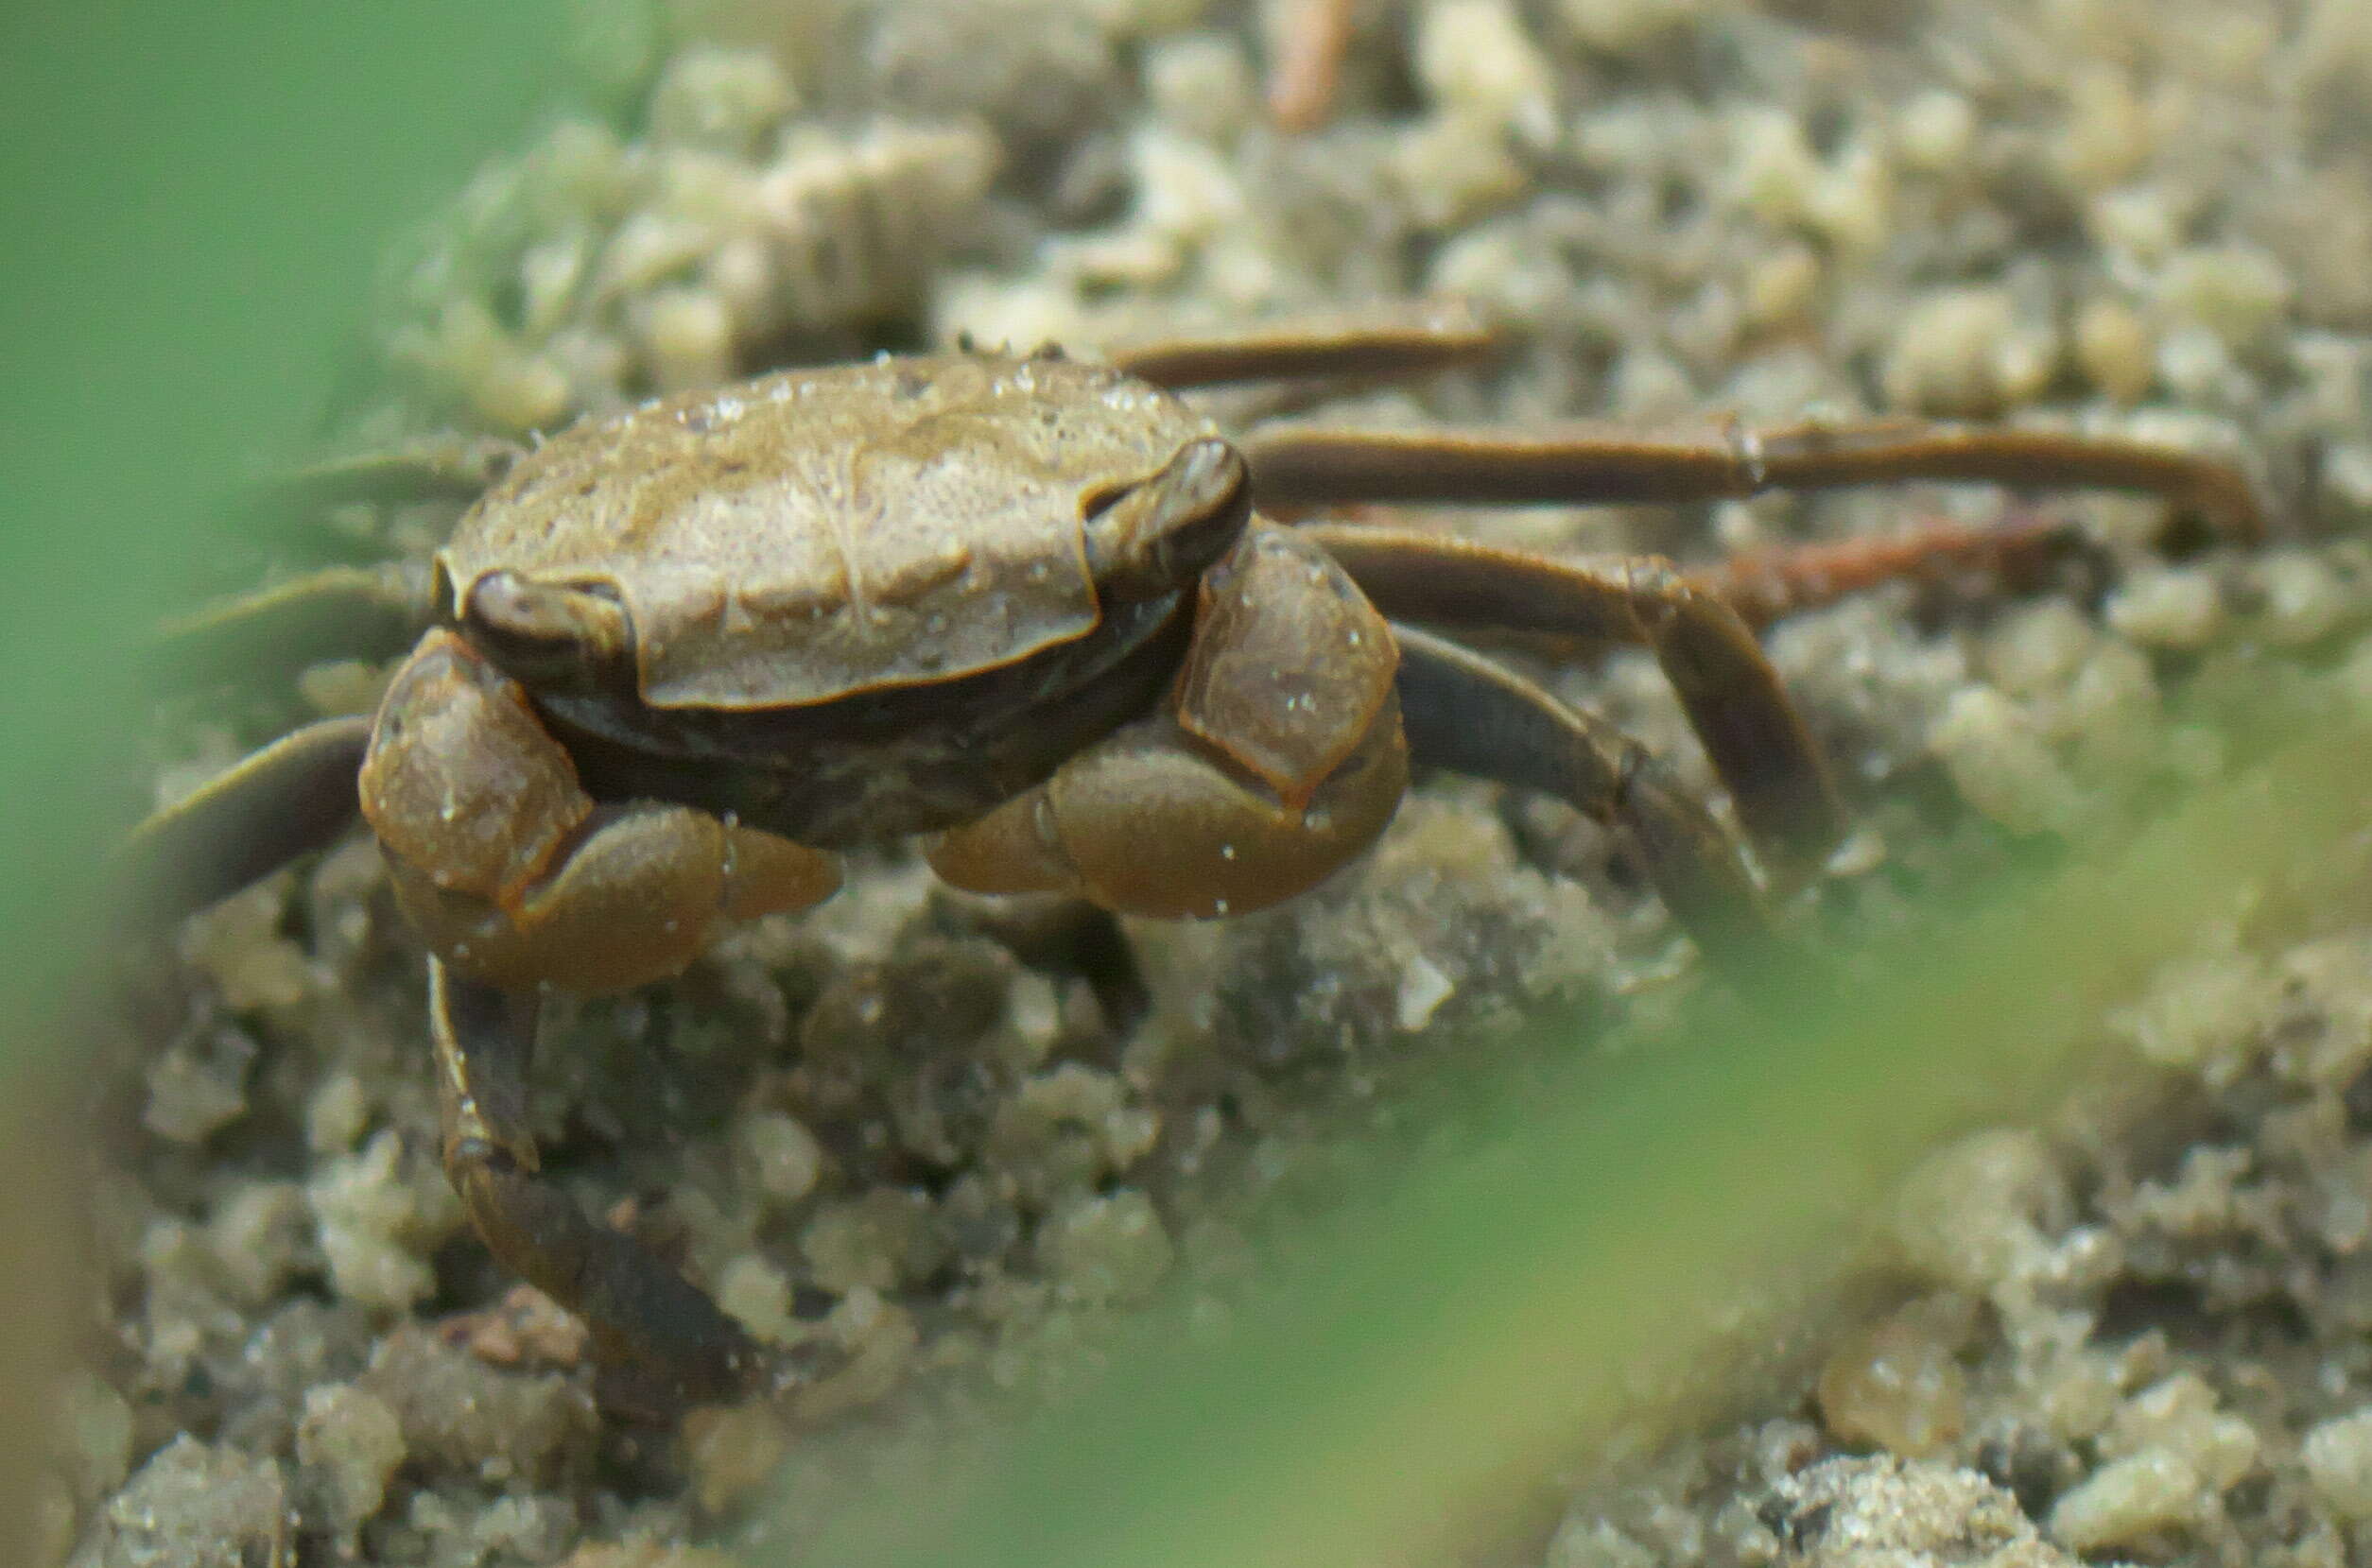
pixel 1769 585
pixel 1436 337
pixel 1466 714
pixel 447 468
pixel 1773 769
pixel 1299 466
pixel 655 1332
pixel 337 612
pixel 1278 759
pixel 295 796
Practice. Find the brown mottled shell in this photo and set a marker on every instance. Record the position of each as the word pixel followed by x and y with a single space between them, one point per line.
pixel 818 533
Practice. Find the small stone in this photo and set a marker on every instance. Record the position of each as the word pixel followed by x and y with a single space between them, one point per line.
pixel 1475 60
pixel 1972 1214
pixel 260 1238
pixel 2127 1501
pixel 1886 1512
pixel 2168 606
pixel 198 1086
pixel 1896 1386
pixel 525 1328
pixel 734 1450
pixel 755 1293
pixel 381 1212
pixel 2133 223
pixel 687 334
pixel 2304 601
pixel 1107 1249
pixel 1934 131
pixel 2238 292
pixel 336 1114
pixel 784 1157
pixel 1783 288
pixel 2001 764
pixel 1626 26
pixel 1772 169
pixel 463 1419
pixel 196 1505
pixel 2114 348
pixel 1423 989
pixel 878 1241
pixel 517 392
pixel 882 1339
pixel 1452 170
pixel 1965 352
pixel 719 99
pixel 2107 132
pixel 350 1444
pixel 1202 83
pixel 2210 1004
pixel 337 687
pixel 239 947
pixel 2037 649
pixel 2338 1458
pixel 2178 1416
pixel 2197 366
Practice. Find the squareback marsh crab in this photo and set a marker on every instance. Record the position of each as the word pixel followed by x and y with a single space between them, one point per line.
pixel 1036 609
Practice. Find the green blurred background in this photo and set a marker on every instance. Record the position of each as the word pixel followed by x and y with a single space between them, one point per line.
pixel 196 200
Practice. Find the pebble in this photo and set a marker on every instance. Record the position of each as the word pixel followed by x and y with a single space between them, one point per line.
pixel 1999 761
pixel 194 1506
pixel 2114 347
pixel 380 1214
pixel 1971 1216
pixel 2168 606
pixel 2237 292
pixel 878 1241
pixel 349 1446
pixel 2338 1458
pixel 782 1157
pixel 1896 1385
pixel 1107 1247
pixel 2128 1500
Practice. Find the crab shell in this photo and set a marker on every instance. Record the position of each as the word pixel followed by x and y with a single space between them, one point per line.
pixel 818 534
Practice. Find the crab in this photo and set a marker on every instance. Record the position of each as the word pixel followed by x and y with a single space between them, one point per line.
pixel 1040 613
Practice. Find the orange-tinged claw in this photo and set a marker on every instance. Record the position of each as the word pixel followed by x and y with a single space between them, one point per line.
pixel 462 782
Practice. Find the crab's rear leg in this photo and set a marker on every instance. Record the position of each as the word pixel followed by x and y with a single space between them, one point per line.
pixel 662 1344
pixel 1769 584
pixel 1468 715
pixel 1756 738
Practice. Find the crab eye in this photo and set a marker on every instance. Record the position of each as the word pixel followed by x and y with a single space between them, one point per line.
pixel 544 632
pixel 1155 536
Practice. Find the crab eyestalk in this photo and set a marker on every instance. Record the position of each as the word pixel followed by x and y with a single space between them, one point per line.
pixel 550 636
pixel 1156 536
